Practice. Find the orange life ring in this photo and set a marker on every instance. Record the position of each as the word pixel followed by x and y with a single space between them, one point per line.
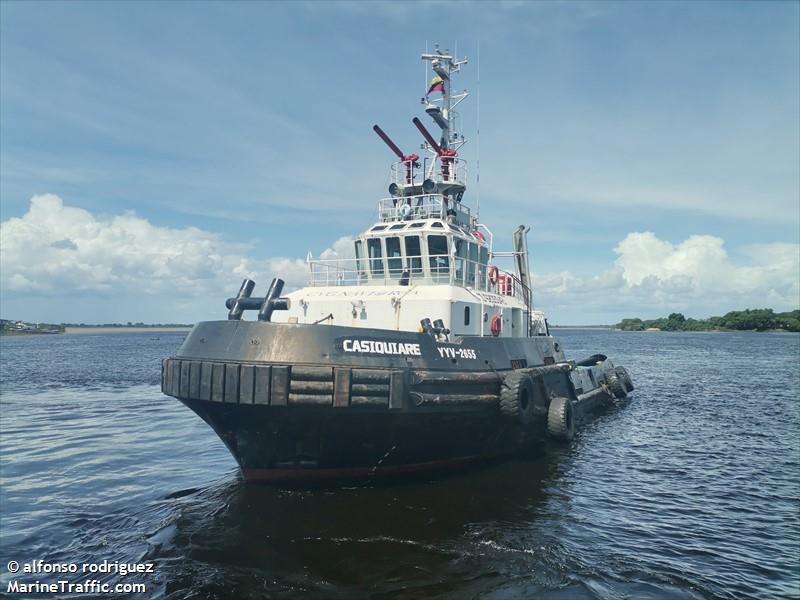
pixel 496 326
pixel 493 273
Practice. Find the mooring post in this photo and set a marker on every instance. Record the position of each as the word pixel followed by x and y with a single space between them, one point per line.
pixel 237 309
pixel 273 293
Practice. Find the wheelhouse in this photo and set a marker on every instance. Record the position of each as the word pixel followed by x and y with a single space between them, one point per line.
pixel 421 253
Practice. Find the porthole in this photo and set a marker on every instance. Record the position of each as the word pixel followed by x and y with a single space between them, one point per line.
pixel 466 315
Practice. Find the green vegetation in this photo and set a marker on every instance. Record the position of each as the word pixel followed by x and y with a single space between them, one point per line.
pixel 12 327
pixel 128 324
pixel 758 319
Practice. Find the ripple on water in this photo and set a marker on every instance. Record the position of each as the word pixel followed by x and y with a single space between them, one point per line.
pixel 689 490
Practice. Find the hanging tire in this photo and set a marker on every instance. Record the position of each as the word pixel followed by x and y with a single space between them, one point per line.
pixel 516 397
pixel 625 378
pixel 561 419
pixel 616 385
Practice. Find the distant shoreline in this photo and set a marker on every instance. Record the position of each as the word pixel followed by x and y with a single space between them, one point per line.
pixel 88 330
pixel 581 327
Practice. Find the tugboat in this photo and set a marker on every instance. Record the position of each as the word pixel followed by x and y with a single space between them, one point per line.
pixel 417 353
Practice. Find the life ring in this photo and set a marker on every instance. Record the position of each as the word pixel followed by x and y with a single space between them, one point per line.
pixel 479 235
pixel 493 273
pixel 496 325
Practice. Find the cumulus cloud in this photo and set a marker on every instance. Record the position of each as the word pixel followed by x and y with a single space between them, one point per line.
pixel 696 275
pixel 55 248
pixel 342 250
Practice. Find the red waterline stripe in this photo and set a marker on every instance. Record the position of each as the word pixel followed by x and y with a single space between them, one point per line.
pixel 280 475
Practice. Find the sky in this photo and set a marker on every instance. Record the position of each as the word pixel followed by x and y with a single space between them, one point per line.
pixel 152 155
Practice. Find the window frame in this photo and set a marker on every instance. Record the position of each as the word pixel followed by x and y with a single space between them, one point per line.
pixel 376 260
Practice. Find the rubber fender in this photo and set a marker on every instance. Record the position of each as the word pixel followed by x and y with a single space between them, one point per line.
pixel 561 419
pixel 625 378
pixel 517 397
pixel 593 360
pixel 616 385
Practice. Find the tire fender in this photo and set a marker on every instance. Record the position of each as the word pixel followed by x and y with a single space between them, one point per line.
pixel 517 397
pixel 616 385
pixel 561 419
pixel 625 378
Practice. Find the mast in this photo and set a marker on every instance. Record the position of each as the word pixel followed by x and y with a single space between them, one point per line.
pixel 444 65
pixel 444 174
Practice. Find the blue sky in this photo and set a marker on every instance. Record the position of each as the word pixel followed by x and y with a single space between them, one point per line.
pixel 250 123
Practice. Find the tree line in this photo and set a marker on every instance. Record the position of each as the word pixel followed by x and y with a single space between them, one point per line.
pixel 128 324
pixel 758 319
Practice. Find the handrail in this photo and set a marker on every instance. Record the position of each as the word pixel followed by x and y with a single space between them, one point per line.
pixel 451 169
pixel 423 206
pixel 436 269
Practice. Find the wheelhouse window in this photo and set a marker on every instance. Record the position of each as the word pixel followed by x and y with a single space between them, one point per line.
pixel 413 254
pixel 438 256
pixel 394 257
pixel 472 264
pixel 484 254
pixel 375 256
pixel 461 257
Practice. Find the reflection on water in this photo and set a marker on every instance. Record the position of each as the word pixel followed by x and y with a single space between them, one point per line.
pixel 689 490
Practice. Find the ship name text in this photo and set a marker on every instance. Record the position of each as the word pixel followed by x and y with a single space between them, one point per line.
pixel 381 347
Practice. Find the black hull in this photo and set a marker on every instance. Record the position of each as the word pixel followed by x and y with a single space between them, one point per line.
pixel 301 445
pixel 295 404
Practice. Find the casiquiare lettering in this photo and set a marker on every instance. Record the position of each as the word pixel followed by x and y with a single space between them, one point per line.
pixel 382 347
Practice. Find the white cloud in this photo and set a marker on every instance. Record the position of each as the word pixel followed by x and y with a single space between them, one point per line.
pixel 651 276
pixel 342 249
pixel 56 250
pixel 61 249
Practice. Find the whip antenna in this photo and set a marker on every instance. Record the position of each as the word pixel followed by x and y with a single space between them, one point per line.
pixel 478 140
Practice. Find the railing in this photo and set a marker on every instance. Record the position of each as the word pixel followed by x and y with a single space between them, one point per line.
pixel 441 169
pixel 438 269
pixel 446 169
pixel 405 173
pixel 538 324
pixel 412 270
pixel 423 206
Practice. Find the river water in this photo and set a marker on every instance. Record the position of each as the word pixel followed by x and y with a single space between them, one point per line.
pixel 691 489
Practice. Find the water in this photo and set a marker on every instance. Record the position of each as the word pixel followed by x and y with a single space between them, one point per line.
pixel 689 490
